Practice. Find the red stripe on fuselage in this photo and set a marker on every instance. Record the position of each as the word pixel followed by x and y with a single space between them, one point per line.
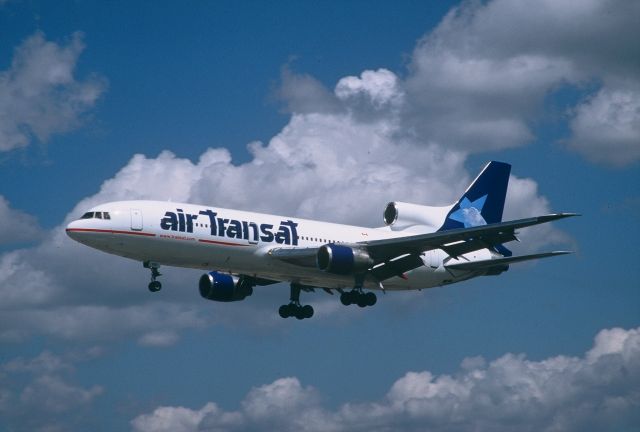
pixel 110 231
pixel 222 243
pixel 145 234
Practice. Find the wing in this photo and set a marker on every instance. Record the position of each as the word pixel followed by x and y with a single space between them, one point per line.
pixel 394 256
pixel 456 241
pixel 398 255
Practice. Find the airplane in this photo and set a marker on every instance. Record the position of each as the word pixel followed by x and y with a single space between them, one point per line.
pixel 418 247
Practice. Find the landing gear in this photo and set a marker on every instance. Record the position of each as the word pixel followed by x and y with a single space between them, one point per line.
pixel 356 296
pixel 294 308
pixel 154 285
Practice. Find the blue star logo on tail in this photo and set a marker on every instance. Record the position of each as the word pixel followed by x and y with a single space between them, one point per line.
pixel 470 213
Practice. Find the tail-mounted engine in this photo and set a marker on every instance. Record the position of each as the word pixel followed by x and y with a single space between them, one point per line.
pixel 339 259
pixel 399 216
pixel 224 287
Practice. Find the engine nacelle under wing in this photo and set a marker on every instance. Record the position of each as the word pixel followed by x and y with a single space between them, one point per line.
pixel 224 287
pixel 340 259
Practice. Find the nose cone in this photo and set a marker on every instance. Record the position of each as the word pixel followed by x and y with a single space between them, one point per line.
pixel 87 232
pixel 74 230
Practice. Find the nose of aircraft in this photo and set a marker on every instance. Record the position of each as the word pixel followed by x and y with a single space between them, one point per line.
pixel 75 230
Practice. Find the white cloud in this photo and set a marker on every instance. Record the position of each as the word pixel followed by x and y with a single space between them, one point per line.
pixel 599 391
pixel 39 95
pixel 378 91
pixel 479 80
pixel 39 394
pixel 606 126
pixel 178 419
pixel 46 362
pixel 523 200
pixel 304 93
pixel 53 394
pixel 11 218
pixel 159 338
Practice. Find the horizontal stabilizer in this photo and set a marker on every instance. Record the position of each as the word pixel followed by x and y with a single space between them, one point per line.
pixel 485 264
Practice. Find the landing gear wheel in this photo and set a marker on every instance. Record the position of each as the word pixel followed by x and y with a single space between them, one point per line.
pixel 370 298
pixel 345 298
pixel 307 311
pixel 362 301
pixel 358 297
pixel 295 309
pixel 284 311
pixel 154 285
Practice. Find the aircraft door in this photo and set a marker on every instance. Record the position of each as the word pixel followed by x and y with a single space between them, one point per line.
pixel 136 220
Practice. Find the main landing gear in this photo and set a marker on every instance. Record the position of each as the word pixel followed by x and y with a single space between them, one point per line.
pixel 294 308
pixel 356 296
pixel 154 285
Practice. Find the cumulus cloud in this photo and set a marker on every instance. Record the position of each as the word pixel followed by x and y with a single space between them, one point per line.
pixel 39 95
pixel 606 126
pixel 39 393
pixel 11 218
pixel 479 80
pixel 598 391
pixel 304 93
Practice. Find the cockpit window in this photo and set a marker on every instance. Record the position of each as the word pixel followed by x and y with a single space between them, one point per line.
pixel 96 215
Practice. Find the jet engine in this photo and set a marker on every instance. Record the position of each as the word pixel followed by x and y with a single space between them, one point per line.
pixel 224 287
pixel 400 216
pixel 339 259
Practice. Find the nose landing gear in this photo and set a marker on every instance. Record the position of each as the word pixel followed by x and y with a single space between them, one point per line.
pixel 154 285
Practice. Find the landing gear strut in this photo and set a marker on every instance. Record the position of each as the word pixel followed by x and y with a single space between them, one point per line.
pixel 357 296
pixel 154 285
pixel 294 308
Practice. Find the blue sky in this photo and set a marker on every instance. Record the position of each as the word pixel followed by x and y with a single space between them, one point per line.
pixel 325 110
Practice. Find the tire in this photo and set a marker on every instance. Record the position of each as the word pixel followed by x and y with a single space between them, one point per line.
pixel 307 311
pixel 345 298
pixel 371 298
pixel 284 311
pixel 155 286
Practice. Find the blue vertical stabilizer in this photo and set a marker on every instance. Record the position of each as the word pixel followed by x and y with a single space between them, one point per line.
pixel 483 202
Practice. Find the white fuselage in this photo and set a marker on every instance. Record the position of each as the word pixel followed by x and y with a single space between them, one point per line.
pixel 238 242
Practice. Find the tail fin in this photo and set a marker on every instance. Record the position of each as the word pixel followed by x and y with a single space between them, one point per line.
pixel 483 202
